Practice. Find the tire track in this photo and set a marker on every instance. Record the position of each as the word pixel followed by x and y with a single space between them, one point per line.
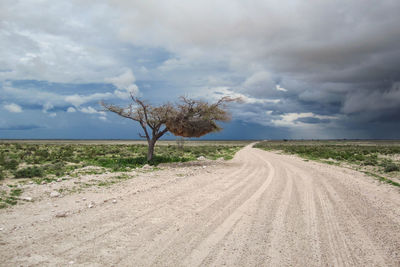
pixel 140 218
pixel 370 256
pixel 127 219
pixel 209 219
pixel 233 189
pixel 337 241
pixel 205 247
pixel 247 243
pixel 278 226
pixel 199 222
pixel 364 250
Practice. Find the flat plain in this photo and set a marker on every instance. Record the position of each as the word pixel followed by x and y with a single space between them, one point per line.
pixel 261 208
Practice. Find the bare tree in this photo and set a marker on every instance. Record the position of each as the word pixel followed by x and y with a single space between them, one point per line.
pixel 151 119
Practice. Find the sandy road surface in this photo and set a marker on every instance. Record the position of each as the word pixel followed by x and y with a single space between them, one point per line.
pixel 260 209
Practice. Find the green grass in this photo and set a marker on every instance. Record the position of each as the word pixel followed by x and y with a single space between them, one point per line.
pixel 382 179
pixel 46 162
pixel 362 155
pixel 9 198
pixel 42 162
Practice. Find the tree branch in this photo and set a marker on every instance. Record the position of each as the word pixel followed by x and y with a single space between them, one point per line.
pixel 161 133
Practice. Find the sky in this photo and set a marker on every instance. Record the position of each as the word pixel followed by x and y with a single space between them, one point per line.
pixel 305 69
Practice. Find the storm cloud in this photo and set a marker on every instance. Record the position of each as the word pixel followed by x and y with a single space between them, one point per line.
pixel 325 69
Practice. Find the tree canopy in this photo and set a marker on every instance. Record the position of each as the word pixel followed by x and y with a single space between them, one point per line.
pixel 195 118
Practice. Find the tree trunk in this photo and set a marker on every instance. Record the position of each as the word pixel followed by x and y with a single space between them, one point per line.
pixel 150 151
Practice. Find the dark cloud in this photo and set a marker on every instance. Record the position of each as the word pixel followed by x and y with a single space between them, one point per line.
pixel 332 65
pixel 20 127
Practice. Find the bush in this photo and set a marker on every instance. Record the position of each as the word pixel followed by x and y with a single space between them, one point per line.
pixel 1 175
pixel 391 167
pixel 56 168
pixel 370 160
pixel 29 172
pixel 11 164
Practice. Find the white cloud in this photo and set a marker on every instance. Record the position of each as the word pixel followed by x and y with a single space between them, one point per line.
pixel 71 110
pixel 215 93
pixel 91 110
pixel 78 100
pixel 47 106
pixel 125 84
pixel 291 119
pixel 50 100
pixel 122 81
pixel 279 88
pixel 13 108
pixel 45 47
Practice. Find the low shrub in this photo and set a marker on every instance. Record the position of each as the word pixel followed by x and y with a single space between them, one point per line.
pixel 16 192
pixel 29 172
pixel 371 161
pixel 391 167
pixel 10 164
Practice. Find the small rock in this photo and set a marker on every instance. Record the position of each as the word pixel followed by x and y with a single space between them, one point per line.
pixel 61 214
pixel 27 199
pixel 204 167
pixel 84 199
pixel 201 158
pixel 54 194
pixel 30 182
pixel 71 262
pixel 1 229
pixel 146 166
pixel 91 205
pixel 114 201
pixel 43 182
pixel 59 180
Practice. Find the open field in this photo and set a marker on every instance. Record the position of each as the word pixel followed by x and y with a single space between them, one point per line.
pixel 47 161
pixel 378 158
pixel 259 209
pixel 124 142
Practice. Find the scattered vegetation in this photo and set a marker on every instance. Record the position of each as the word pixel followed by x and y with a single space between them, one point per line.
pixel 22 163
pixel 46 162
pixel 9 198
pixel 379 157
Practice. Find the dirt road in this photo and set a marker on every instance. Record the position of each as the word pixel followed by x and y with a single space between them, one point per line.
pixel 260 209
